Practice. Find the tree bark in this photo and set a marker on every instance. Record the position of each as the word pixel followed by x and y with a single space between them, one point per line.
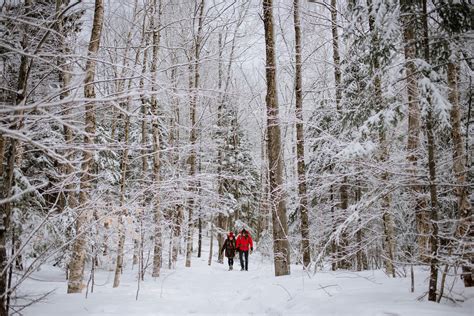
pixel 77 263
pixel 335 51
pixel 343 260
pixel 175 141
pixel 9 153
pixel 193 135
pixel 156 140
pixel 177 232
pixel 465 228
pixel 339 248
pixel 303 197
pixel 281 249
pixel 263 217
pixel 122 213
pixel 124 158
pixel 334 250
pixel 222 226
pixel 434 238
pixel 211 245
pixel 387 218
pixel 65 77
pixel 2 152
pixel 69 200
pixel 220 190
pixel 361 256
pixel 138 241
pixel 199 236
pixel 414 117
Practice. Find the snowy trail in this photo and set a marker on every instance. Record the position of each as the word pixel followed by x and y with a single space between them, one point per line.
pixel 197 290
pixel 204 290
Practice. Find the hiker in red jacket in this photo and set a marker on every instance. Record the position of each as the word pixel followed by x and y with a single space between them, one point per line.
pixel 243 243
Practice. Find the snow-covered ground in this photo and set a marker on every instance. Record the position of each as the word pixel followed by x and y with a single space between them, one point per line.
pixel 213 290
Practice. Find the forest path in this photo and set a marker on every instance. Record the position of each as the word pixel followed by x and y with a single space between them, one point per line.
pixel 213 290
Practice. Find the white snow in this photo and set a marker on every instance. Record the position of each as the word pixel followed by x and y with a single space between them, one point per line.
pixel 213 290
pixel 357 149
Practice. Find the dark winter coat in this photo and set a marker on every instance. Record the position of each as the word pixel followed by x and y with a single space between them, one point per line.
pixel 229 247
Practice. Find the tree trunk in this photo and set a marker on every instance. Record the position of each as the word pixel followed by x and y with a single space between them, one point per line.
pixel 122 213
pixel 138 241
pixel 193 136
pixel 340 249
pixel 360 255
pixel 2 152
pixel 177 212
pixel 65 76
pixel 303 198
pixel 335 51
pixel 156 140
pixel 434 238
pixel 422 217
pixel 263 205
pixel 177 233
pixel 120 250
pixel 124 159
pixel 281 249
pixel 387 218
pixel 222 223
pixel 9 153
pixel 209 261
pixel 199 236
pixel 343 260
pixel 465 229
pixel 263 201
pixel 77 263
pixel 334 250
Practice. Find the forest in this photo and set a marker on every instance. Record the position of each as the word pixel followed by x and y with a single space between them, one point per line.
pixel 136 134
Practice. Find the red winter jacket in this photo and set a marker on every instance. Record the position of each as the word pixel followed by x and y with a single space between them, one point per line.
pixel 243 243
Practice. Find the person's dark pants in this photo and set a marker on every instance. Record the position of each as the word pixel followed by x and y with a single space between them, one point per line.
pixel 242 255
pixel 231 261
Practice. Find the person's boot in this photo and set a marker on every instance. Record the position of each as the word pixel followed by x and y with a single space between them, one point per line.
pixel 242 269
pixel 231 267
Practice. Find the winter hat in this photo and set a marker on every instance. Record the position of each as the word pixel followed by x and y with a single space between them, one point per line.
pixel 231 234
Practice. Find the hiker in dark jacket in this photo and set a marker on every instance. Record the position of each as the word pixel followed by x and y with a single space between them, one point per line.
pixel 229 248
pixel 244 243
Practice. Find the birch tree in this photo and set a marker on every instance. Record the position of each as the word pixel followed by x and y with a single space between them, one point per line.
pixel 77 263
